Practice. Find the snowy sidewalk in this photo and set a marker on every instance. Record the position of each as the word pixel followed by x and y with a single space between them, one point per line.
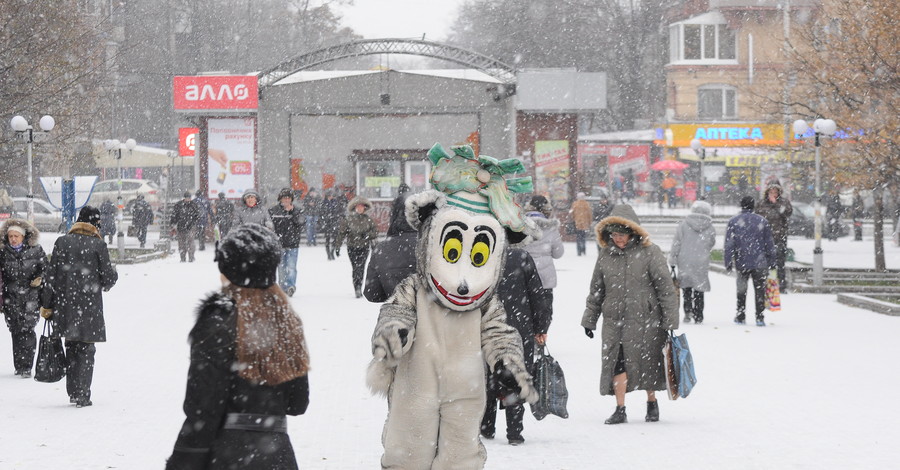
pixel 808 391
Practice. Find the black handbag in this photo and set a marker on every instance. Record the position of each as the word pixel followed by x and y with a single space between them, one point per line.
pixel 51 357
pixel 551 387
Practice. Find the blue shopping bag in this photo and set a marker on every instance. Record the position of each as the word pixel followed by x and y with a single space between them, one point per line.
pixel 684 364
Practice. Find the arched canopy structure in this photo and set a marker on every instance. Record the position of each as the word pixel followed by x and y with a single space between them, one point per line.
pixel 470 59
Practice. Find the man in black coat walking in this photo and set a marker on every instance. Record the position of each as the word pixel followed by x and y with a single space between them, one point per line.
pixel 224 215
pixel 184 221
pixel 289 221
pixel 142 217
pixel 529 310
pixel 79 269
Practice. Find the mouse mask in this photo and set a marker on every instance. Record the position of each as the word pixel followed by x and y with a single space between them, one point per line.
pixel 466 226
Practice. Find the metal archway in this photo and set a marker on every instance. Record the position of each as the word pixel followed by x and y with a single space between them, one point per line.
pixel 470 59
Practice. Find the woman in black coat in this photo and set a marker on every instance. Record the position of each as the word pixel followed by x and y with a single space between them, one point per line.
pixel 529 310
pixel 78 274
pixel 22 263
pixel 394 259
pixel 236 416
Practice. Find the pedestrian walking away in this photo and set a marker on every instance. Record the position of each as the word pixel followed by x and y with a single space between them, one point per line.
pixel 529 310
pixel 777 210
pixel 330 216
pixel 359 231
pixel 250 211
pixel 224 213
pixel 78 274
pixel 22 265
pixel 393 259
pixel 750 252
pixel 203 218
pixel 107 220
pixel 289 221
pixel 694 240
pixel 236 417
pixel 184 222
pixel 858 212
pixel 633 292
pixel 311 207
pixel 580 214
pixel 141 218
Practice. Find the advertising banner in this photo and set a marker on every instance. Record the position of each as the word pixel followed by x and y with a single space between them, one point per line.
pixel 187 141
pixel 551 170
pixel 231 147
pixel 216 93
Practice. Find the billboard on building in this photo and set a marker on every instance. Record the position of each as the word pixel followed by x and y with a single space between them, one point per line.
pixel 559 90
pixel 551 170
pixel 216 93
pixel 231 148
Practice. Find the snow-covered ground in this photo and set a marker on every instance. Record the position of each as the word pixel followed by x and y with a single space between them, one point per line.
pixel 811 390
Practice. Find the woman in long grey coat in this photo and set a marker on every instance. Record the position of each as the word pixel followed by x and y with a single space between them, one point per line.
pixel 694 239
pixel 632 290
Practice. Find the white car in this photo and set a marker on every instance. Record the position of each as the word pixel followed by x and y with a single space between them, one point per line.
pixel 46 217
pixel 109 189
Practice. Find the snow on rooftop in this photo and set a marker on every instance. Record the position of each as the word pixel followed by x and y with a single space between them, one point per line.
pixel 456 74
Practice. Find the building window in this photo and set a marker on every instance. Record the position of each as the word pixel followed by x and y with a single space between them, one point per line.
pixel 716 102
pixel 703 38
pixel 379 173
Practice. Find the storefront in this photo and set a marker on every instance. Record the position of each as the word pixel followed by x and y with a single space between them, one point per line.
pixel 739 158
pixel 616 162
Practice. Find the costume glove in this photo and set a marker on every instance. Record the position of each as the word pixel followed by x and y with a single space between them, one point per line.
pixel 504 385
pixel 46 313
pixel 36 282
pixel 589 333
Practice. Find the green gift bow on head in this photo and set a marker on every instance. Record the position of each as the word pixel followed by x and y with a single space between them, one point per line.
pixel 464 171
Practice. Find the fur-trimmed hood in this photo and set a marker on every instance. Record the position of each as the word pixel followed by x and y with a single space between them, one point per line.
pixel 357 200
pixel 31 233
pixel 625 215
pixel 84 228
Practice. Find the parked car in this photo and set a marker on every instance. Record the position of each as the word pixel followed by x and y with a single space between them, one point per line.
pixel 802 222
pixel 46 217
pixel 109 189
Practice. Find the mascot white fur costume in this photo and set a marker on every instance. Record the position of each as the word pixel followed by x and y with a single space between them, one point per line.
pixel 443 324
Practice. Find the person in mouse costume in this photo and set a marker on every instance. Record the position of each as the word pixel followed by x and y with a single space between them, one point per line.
pixel 442 325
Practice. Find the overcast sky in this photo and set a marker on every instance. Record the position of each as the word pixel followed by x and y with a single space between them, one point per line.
pixel 400 18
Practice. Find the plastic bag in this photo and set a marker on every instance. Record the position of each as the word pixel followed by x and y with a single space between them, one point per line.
pixel 550 383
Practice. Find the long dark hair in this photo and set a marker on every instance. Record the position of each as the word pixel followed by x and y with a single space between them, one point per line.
pixel 271 348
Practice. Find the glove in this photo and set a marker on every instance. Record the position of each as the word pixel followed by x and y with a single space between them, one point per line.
pixel 503 383
pixel 389 345
pixel 589 333
pixel 36 282
pixel 46 313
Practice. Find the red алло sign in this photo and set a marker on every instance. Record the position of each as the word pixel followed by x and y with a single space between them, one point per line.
pixel 216 92
pixel 187 141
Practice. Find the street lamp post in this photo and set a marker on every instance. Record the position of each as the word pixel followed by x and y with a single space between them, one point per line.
pixel 26 133
pixel 701 152
pixel 115 147
pixel 821 127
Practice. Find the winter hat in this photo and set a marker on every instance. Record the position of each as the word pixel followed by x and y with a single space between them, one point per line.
pixel 16 228
pixel 402 188
pixel 89 214
pixel 701 207
pixel 199 193
pixel 619 228
pixel 187 194
pixel 285 193
pixel 249 256
pixel 747 203
pixel 221 195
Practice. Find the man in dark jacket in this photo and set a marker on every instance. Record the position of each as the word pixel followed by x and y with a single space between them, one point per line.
pixel 529 310
pixel 142 216
pixel 777 210
pixel 331 213
pixel 79 269
pixel 833 211
pixel 394 259
pixel 184 222
pixel 224 215
pixel 203 218
pixel 311 208
pixel 107 220
pixel 749 250
pixel 289 221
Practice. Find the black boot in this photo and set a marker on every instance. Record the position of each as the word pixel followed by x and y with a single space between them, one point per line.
pixel 652 411
pixel 618 417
